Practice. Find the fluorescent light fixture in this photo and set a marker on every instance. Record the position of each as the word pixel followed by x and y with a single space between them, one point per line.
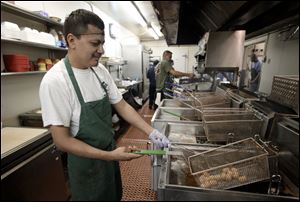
pixel 133 11
pixel 153 33
pixel 156 29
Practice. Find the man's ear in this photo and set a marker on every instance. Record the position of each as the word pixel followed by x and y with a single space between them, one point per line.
pixel 71 40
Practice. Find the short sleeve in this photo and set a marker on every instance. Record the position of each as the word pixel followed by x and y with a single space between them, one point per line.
pixel 167 66
pixel 55 103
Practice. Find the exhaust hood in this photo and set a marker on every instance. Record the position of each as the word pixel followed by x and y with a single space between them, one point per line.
pixel 185 22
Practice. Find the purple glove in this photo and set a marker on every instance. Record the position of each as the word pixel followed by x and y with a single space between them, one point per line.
pixel 159 139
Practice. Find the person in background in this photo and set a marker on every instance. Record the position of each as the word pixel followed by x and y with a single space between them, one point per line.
pixel 163 70
pixel 76 96
pixel 170 81
pixel 255 73
pixel 152 86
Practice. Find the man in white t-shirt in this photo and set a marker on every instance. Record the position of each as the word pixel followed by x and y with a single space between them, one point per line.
pixel 76 96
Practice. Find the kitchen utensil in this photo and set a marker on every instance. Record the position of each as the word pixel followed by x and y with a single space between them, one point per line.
pixel 156 152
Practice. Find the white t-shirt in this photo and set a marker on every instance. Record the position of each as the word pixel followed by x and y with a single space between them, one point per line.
pixel 59 102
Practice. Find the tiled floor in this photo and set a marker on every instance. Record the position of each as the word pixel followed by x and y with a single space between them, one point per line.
pixel 136 174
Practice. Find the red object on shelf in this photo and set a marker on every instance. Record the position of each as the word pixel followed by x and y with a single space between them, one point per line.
pixel 16 63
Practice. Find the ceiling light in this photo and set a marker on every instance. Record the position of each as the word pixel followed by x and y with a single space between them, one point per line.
pixel 153 33
pixel 156 29
pixel 135 12
pixel 149 26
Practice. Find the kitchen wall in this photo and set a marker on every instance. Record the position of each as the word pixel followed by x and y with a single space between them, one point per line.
pixel 113 47
pixel 282 58
pixel 183 55
pixel 19 94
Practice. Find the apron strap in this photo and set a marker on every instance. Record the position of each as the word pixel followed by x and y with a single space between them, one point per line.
pixel 103 84
pixel 73 79
pixel 75 84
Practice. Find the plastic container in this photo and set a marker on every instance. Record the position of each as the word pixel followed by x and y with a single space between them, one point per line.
pixel 16 63
pixel 10 30
pixel 55 35
pixel 27 34
pixel 47 39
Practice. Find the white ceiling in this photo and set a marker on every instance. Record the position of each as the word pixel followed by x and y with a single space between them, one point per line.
pixel 121 11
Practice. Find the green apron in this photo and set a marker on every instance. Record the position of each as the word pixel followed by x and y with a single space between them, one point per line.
pixel 93 179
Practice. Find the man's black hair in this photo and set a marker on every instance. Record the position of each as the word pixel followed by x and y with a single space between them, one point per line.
pixel 77 22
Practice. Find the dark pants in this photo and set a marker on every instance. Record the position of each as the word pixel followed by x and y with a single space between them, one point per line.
pixel 152 95
pixel 254 87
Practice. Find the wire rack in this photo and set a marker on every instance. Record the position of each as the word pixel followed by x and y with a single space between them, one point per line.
pixel 232 165
pixel 241 124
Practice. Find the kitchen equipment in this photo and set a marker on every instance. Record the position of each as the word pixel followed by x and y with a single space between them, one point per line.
pixel 217 126
pixel 239 96
pixel 177 184
pixel 285 137
pixel 138 59
pixel 177 103
pixel 160 117
pixel 232 165
pixel 31 118
pixel 16 63
pixel 214 101
pixel 285 91
pixel 176 115
pixel 201 100
pixel 287 132
pixel 155 152
pixel 177 132
pixel 30 164
pixel 270 111
pixel 174 103
pixel 184 133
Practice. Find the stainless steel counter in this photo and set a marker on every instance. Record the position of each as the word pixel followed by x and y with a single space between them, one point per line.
pixel 31 166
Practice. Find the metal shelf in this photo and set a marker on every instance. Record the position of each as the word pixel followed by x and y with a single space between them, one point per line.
pixel 33 44
pixel 22 73
pixel 8 7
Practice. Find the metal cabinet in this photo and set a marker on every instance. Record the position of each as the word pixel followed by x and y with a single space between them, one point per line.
pixel 39 177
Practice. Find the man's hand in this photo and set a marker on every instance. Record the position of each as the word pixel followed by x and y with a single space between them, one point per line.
pixel 159 139
pixel 123 154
